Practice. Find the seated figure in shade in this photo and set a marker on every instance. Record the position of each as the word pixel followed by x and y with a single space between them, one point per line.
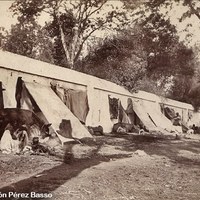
pixel 8 144
pixel 177 120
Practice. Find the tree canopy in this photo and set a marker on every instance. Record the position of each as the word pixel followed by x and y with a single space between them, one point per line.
pixel 142 50
pixel 71 22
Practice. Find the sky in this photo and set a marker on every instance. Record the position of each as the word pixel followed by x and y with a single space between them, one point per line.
pixel 175 14
pixel 6 18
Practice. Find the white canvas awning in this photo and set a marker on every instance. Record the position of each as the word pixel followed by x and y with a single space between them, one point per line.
pixel 138 107
pixel 55 110
pixel 158 118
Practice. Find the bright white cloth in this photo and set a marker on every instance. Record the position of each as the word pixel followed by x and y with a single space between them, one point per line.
pixel 8 145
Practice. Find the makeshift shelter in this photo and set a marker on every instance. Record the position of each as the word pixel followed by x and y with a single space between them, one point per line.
pixel 193 118
pixel 123 117
pixel 169 113
pixel 138 107
pixel 130 112
pixel 113 107
pixel 158 117
pixel 54 110
pixel 75 100
pixel 40 75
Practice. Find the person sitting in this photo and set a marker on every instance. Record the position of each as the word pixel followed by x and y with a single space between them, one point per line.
pixel 177 120
pixel 8 144
pixel 22 136
pixel 195 128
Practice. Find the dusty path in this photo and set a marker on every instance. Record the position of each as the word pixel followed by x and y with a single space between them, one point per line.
pixel 131 167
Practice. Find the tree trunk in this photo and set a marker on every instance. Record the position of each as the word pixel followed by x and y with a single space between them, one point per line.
pixel 1 96
pixel 74 44
pixel 67 54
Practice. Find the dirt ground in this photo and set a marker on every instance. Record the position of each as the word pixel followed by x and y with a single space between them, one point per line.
pixel 129 167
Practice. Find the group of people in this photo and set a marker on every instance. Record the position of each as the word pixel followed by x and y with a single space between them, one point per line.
pixel 196 129
pixel 190 130
pixel 18 139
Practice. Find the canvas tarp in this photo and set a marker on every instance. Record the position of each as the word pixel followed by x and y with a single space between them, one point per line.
pixel 156 115
pixel 113 107
pixel 130 112
pixel 25 100
pixel 8 100
pixel 169 113
pixel 138 107
pixel 78 103
pixel 193 118
pixel 75 100
pixel 123 117
pixel 55 110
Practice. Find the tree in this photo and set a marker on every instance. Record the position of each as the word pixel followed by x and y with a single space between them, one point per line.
pixel 185 85
pixel 3 34
pixel 184 8
pixel 28 39
pixel 168 58
pixel 72 22
pixel 192 5
pixel 192 86
pixel 120 59
pixel 21 40
pixel 148 56
pixel 148 50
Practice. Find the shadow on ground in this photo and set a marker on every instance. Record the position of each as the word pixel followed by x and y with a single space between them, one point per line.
pixel 51 179
pixel 169 148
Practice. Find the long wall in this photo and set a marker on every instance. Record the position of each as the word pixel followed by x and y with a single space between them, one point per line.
pixel 13 66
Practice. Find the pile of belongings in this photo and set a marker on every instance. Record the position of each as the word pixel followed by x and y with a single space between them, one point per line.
pixel 97 130
pixel 127 118
pixel 127 128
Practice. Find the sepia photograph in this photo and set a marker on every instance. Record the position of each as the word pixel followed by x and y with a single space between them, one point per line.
pixel 99 99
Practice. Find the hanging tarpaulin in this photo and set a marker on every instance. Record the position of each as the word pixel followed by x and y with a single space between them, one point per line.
pixel 113 107
pixel 55 110
pixel 75 100
pixel 123 117
pixel 78 103
pixel 169 113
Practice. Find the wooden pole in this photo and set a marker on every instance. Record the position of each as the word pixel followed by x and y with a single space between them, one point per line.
pixel 1 96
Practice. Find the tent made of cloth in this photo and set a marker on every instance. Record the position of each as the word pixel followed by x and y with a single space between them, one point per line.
pixel 7 97
pixel 138 107
pixel 169 113
pixel 113 107
pixel 55 110
pixel 123 117
pixel 160 120
pixel 193 118
pixel 75 100
pixel 130 112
